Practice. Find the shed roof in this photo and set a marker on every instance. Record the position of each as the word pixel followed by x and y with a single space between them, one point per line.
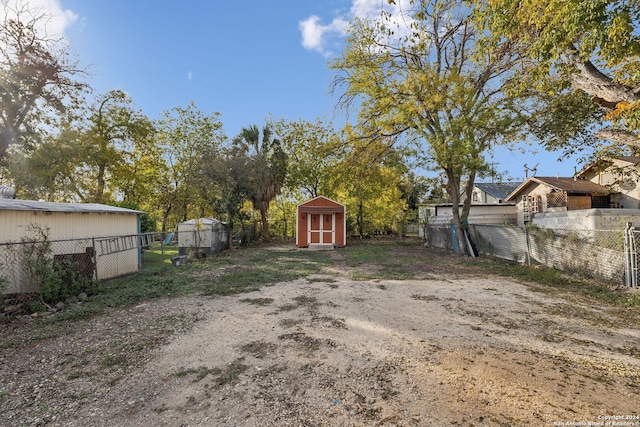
pixel 320 201
pixel 568 184
pixel 38 206
pixel 203 221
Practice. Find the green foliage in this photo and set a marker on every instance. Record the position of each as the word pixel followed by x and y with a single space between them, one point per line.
pixel 227 170
pixel 428 84
pixel 564 121
pixel 266 169
pixel 185 135
pixel 107 153
pixel 283 214
pixel 148 222
pixel 37 76
pixel 314 151
pixel 591 45
pixel 54 280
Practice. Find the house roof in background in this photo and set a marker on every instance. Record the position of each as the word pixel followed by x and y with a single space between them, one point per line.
pixel 568 184
pixel 499 190
pixel 38 206
pixel 603 163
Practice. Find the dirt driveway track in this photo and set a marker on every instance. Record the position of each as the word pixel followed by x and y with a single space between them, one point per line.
pixel 449 346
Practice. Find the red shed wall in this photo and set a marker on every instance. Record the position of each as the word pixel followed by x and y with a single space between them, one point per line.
pixel 341 233
pixel 317 205
pixel 302 229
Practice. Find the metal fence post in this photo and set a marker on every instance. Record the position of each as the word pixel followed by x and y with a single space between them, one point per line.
pixel 528 242
pixel 95 258
pixel 630 256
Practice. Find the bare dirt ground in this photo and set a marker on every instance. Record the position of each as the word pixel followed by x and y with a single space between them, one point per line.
pixel 451 346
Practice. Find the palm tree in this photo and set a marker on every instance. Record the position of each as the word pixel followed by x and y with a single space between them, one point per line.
pixel 267 169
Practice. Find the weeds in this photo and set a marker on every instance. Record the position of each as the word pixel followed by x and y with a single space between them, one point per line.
pixel 231 372
pixel 257 301
pixel 199 373
pixel 223 376
pixel 552 281
pixel 265 267
pixel 259 349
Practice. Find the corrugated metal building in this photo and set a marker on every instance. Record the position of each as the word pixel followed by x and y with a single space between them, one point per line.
pixel 104 237
pixel 202 237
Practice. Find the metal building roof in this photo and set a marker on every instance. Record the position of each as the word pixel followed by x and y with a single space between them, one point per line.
pixel 38 206
pixel 498 190
pixel 202 221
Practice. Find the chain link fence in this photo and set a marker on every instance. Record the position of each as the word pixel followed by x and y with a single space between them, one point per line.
pixel 589 254
pixel 42 272
pixel 38 272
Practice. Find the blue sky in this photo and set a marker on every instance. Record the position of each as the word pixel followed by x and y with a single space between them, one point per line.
pixel 246 60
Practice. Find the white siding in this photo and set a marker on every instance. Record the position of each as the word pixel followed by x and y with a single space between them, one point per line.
pixel 16 225
pixel 588 219
pixel 65 225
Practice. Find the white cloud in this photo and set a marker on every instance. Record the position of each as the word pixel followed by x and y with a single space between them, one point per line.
pixel 190 75
pixel 57 19
pixel 316 36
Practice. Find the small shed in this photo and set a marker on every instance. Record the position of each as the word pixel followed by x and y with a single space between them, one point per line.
pixel 321 223
pixel 202 236
pixel 101 240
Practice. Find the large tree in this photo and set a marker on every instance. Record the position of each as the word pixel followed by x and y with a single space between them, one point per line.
pixel 313 149
pixel 108 154
pixel 367 180
pixel 185 134
pixel 267 169
pixel 418 76
pixel 593 45
pixel 227 169
pixel 37 77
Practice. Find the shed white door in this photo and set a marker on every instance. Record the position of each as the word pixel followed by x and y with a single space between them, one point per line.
pixel 321 229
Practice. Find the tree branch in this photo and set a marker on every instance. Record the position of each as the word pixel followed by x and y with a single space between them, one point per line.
pixel 596 83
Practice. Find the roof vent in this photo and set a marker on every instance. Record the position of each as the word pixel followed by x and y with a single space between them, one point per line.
pixel 7 192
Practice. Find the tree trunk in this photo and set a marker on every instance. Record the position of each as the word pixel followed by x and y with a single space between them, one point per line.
pixel 466 203
pixel 359 219
pixel 266 237
pixel 6 139
pixel 453 183
pixel 619 136
pixel 99 196
pixel 230 235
